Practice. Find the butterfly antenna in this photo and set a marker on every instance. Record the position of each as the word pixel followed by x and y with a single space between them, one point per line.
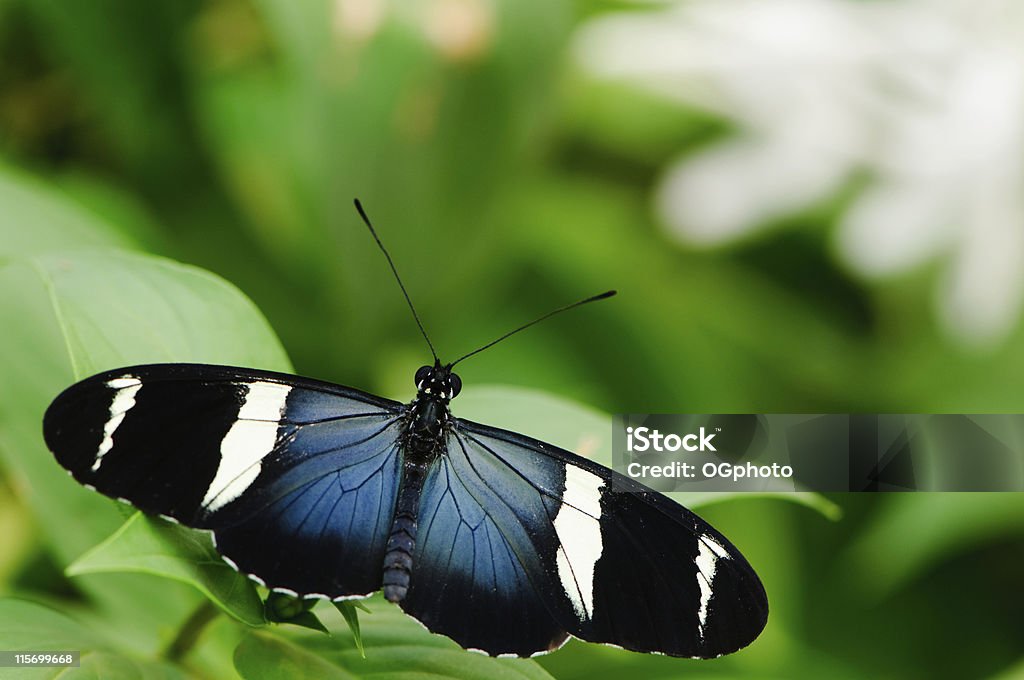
pixel 595 298
pixel 362 213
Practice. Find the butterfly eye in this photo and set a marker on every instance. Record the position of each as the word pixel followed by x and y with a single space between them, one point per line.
pixel 456 386
pixel 422 374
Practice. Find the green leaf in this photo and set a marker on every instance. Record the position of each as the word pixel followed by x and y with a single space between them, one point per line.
pixel 308 620
pixel 115 308
pixel 348 609
pixel 284 608
pixel 272 658
pixel 809 499
pixel 158 547
pixel 396 647
pixel 26 626
pixel 37 219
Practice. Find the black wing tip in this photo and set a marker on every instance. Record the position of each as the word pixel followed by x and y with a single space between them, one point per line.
pixel 52 422
pixel 59 422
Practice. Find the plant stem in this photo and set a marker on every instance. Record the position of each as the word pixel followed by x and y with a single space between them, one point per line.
pixel 190 631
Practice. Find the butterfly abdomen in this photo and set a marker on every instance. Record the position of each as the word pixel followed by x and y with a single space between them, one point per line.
pixel 402 540
pixel 421 449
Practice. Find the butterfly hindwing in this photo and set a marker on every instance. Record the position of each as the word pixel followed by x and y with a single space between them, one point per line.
pixel 613 561
pixel 296 478
pixel 477 575
pixel 318 526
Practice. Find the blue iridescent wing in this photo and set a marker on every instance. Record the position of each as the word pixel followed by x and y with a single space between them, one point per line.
pixel 477 576
pixel 296 478
pixel 522 543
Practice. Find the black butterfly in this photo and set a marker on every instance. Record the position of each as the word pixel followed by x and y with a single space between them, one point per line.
pixel 502 542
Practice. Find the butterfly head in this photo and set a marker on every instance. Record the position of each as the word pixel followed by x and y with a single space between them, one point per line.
pixel 438 382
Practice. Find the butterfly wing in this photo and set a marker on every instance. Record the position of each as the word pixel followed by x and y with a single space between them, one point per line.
pixel 477 576
pixel 296 478
pixel 522 543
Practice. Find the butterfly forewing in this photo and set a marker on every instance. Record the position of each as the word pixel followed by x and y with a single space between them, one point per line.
pixel 296 478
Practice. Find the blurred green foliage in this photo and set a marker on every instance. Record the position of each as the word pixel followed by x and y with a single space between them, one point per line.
pixel 233 136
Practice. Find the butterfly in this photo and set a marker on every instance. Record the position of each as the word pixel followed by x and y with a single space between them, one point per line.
pixel 502 542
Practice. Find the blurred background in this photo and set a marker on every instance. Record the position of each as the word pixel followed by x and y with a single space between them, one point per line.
pixel 807 206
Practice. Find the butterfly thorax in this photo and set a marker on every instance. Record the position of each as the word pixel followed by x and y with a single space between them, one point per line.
pixel 427 420
pixel 423 440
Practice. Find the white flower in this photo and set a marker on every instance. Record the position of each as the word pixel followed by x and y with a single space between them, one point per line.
pixel 924 97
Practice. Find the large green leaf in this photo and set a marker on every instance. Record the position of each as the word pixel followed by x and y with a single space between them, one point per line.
pixel 155 546
pixel 396 646
pixel 37 219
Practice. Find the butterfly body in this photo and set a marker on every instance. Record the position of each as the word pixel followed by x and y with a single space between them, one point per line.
pixel 426 420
